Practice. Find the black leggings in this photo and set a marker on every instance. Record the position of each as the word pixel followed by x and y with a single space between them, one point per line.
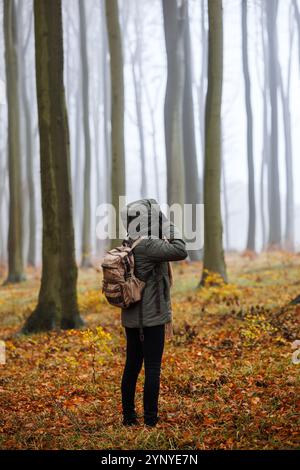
pixel 150 350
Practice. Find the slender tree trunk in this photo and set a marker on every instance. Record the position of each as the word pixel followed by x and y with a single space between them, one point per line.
pixel 289 241
pixel 97 109
pixel 297 18
pixel 202 87
pixel 98 163
pixel 136 63
pixel 174 34
pixel 273 166
pixel 15 231
pixel 192 190
pixel 106 98
pixel 152 108
pixel 213 245
pixel 3 192
pixel 251 187
pixel 86 219
pixel 78 199
pixel 226 206
pixel 117 109
pixel 31 255
pixel 28 134
pixel 262 194
pixel 57 305
pixel 139 115
pixel 266 136
pixel 138 79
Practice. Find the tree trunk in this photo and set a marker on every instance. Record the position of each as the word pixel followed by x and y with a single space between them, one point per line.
pixel 3 218
pixel 26 105
pixel 249 116
pixel 192 190
pixel 138 79
pixel 201 90
pixel 174 33
pixel 106 98
pixel 297 18
pixel 86 219
pixel 226 206
pixel 152 108
pixel 273 166
pixel 78 181
pixel 57 305
pixel 265 136
pixel 213 246
pixel 289 241
pixel 31 256
pixel 118 186
pixel 15 231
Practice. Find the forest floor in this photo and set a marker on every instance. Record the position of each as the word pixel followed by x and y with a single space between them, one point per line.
pixel 228 381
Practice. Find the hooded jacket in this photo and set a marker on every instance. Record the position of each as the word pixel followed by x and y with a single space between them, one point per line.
pixel 144 219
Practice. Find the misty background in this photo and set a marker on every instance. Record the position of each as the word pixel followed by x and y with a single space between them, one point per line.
pixel 145 75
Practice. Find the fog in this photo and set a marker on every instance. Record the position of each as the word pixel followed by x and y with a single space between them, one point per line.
pixel 142 26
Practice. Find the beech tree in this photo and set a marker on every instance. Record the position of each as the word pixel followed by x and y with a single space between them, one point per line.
pixel 174 22
pixel 86 218
pixel 57 304
pixel 15 230
pixel 273 164
pixel 213 230
pixel 249 118
pixel 118 183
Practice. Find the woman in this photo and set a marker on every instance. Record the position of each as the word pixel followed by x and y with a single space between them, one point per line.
pixel 147 321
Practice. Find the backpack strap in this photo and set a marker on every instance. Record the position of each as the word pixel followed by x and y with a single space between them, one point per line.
pixel 136 242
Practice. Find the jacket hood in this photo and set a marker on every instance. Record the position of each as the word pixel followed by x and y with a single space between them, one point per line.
pixel 143 218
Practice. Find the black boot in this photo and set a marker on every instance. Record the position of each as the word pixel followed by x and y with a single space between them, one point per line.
pixel 151 422
pixel 130 419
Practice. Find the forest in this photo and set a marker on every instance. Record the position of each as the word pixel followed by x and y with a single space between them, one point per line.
pixel 188 102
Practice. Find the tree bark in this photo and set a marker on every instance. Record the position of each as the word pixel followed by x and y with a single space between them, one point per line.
pixel 106 98
pixel 265 136
pixel 152 108
pixel 213 245
pixel 251 187
pixel 201 89
pixel 3 218
pixel 57 305
pixel 15 231
pixel 297 18
pixel 226 206
pixel 273 165
pixel 192 190
pixel 137 74
pixel 289 237
pixel 29 150
pixel 174 33
pixel 86 219
pixel 118 186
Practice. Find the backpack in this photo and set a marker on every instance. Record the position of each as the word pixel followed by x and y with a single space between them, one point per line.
pixel 120 285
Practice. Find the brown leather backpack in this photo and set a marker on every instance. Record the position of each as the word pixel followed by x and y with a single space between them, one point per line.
pixel 120 285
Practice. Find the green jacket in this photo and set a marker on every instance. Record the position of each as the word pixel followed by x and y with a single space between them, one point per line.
pixel 151 256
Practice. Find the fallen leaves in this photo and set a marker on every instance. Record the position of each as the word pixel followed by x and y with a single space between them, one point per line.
pixel 227 377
